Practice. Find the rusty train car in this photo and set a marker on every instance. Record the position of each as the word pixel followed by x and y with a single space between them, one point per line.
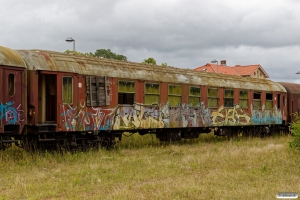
pixel 55 100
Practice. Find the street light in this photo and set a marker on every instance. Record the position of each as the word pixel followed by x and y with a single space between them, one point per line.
pixel 69 39
pixel 215 61
pixel 298 72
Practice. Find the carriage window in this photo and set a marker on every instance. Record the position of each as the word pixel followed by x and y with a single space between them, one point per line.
pixel 174 96
pixel 97 91
pixel 269 100
pixel 126 91
pixel 212 100
pixel 194 96
pixel 256 100
pixel 152 93
pixel 244 99
pixel 11 84
pixel 67 90
pixel 228 98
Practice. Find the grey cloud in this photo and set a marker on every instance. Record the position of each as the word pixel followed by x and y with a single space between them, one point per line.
pixel 180 32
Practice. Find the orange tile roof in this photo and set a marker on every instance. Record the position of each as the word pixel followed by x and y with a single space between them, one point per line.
pixel 249 69
pixel 237 70
pixel 220 69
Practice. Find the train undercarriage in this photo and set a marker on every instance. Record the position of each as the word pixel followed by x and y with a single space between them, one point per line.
pixel 44 139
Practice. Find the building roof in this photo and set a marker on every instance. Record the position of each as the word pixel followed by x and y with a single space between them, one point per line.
pixel 238 70
pixel 221 69
pixel 248 70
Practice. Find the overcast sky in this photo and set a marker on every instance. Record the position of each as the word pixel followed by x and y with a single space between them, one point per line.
pixel 182 33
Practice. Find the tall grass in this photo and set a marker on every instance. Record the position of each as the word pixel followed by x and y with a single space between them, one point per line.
pixel 141 167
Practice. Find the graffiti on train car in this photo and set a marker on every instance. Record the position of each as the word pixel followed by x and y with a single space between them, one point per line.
pixel 230 116
pixel 152 116
pixel 10 113
pixel 140 116
pixel 266 116
pixel 78 118
pixel 134 116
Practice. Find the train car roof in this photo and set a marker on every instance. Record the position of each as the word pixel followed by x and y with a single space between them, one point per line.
pixel 86 65
pixel 9 57
pixel 292 88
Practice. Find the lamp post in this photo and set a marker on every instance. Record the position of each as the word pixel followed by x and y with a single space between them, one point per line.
pixel 215 61
pixel 298 72
pixel 69 39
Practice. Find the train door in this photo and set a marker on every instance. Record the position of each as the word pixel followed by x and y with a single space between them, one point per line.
pixel 47 98
pixel 12 108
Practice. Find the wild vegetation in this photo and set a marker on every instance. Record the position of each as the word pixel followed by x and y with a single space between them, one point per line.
pixel 140 167
pixel 107 53
pixel 295 129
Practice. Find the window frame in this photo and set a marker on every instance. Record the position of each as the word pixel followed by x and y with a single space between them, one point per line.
pixel 213 97
pixel 11 84
pixel 124 92
pixel 269 100
pixel 151 94
pixel 174 95
pixel 243 99
pixel 194 96
pixel 229 98
pixel 72 91
pixel 256 100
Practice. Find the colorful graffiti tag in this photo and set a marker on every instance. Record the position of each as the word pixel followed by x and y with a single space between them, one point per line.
pixel 136 116
pixel 264 116
pixel 140 116
pixel 230 116
pixel 11 114
pixel 79 119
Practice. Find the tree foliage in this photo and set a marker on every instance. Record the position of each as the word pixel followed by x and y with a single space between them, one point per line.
pixel 77 53
pixel 295 129
pixel 107 53
pixel 103 53
pixel 150 61
pixel 164 64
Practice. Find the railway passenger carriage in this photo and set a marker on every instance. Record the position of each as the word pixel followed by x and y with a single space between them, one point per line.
pixel 13 89
pixel 64 100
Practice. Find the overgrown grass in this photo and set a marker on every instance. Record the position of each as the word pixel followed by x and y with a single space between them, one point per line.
pixel 140 167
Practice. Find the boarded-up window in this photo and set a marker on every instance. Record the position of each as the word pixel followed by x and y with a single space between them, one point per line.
pixel 152 93
pixel 11 84
pixel 126 91
pixel 67 90
pixel 174 95
pixel 256 100
pixel 269 100
pixel 97 89
pixel 228 98
pixel 244 99
pixel 212 99
pixel 194 95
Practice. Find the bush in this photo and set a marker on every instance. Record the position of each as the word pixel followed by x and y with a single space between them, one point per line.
pixel 295 129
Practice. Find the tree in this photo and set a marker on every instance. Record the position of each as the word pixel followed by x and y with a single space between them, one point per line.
pixel 295 129
pixel 150 61
pixel 164 64
pixel 107 53
pixel 77 53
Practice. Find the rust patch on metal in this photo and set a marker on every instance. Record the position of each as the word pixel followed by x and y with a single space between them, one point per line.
pixel 10 57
